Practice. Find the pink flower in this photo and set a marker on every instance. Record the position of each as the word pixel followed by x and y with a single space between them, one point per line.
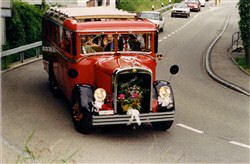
pixel 135 95
pixel 121 97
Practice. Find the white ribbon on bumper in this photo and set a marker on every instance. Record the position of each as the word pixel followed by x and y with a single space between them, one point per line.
pixel 134 116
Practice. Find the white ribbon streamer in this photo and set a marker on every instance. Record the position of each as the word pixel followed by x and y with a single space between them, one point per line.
pixel 98 105
pixel 164 101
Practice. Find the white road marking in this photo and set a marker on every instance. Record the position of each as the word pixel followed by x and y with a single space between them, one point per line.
pixel 169 35
pixel 165 37
pixel 240 144
pixel 160 40
pixel 190 128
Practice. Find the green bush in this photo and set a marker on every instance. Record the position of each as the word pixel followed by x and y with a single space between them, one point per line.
pixel 244 23
pixel 24 27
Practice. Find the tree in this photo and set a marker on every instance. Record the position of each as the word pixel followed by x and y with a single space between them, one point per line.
pixel 244 23
pixel 25 25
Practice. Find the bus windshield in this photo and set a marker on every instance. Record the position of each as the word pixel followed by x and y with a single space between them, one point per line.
pixel 95 43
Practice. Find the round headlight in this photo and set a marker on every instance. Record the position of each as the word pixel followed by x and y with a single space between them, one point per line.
pixel 164 92
pixel 100 94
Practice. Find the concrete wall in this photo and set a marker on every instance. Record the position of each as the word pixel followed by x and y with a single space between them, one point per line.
pixel 5 11
pixel 92 3
pixel 59 2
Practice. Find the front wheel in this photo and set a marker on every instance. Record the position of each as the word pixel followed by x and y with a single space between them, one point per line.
pixel 162 126
pixel 81 119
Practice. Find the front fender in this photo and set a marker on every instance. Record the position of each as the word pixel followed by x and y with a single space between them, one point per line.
pixel 85 95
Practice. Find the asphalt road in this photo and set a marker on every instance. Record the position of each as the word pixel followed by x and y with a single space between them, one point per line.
pixel 211 126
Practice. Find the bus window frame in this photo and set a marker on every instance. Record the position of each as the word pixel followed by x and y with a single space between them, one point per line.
pixel 150 53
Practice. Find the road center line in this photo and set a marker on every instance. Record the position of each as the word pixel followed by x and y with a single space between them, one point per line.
pixel 190 128
pixel 240 144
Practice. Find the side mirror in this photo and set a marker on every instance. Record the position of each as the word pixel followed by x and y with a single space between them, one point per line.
pixel 159 56
pixel 174 69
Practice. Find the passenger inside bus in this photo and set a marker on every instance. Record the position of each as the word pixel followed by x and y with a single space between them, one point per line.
pixel 86 46
pixel 106 42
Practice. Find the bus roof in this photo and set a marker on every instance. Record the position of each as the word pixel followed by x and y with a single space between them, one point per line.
pixel 81 13
pixel 90 19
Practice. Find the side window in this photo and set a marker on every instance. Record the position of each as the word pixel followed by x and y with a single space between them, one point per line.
pixel 97 43
pixel 148 42
pixel 50 30
pixel 47 28
pixel 66 41
pixel 60 36
pixel 56 34
pixel 135 42
pixel 74 50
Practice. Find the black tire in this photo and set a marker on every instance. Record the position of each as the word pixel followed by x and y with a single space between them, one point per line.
pixel 162 126
pixel 172 15
pixel 81 119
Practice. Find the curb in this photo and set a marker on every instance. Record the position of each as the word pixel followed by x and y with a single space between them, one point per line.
pixel 21 64
pixel 210 71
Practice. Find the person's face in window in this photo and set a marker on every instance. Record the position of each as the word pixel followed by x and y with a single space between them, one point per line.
pixel 83 41
pixel 110 38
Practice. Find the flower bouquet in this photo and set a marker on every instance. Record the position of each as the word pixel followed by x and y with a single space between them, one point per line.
pixel 130 97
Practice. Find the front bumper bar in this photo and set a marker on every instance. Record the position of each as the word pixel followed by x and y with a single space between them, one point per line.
pixel 124 119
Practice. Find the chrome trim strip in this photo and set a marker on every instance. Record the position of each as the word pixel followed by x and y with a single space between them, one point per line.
pixel 127 118
pixel 133 122
pixel 141 115
pixel 124 119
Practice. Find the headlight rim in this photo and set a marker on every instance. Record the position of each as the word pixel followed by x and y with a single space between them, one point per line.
pixel 100 91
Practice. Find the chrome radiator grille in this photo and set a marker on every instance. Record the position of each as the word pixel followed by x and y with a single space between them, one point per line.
pixel 137 76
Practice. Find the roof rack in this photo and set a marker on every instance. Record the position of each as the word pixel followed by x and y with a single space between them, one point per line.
pixel 86 13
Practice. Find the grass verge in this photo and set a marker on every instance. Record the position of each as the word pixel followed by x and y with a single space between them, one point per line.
pixel 241 61
pixel 29 155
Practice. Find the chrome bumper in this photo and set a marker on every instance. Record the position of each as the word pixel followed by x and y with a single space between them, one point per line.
pixel 124 119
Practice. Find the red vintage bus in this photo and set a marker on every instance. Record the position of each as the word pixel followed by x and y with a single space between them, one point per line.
pixel 104 61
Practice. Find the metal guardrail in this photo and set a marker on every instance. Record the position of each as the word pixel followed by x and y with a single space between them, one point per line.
pixel 21 50
pixel 163 9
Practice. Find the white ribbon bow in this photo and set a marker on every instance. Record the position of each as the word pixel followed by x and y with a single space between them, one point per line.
pixel 134 116
pixel 164 101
